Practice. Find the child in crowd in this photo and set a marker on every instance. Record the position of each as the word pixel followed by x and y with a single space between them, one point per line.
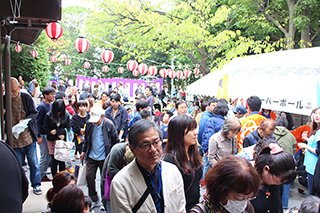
pixel 164 128
pixel 87 204
pixel 78 123
pixel 145 114
pixel 67 102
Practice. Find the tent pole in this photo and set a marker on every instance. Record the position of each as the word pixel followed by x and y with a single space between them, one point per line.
pixel 1 100
pixel 7 75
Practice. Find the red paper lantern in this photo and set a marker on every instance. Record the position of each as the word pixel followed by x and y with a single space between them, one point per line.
pixel 86 64
pixel 67 61
pixel 152 70
pixel 120 70
pixel 171 73
pixel 196 71
pixel 107 56
pixel 53 59
pixel 135 73
pixel 187 73
pixel 18 48
pixel 132 65
pixel 105 68
pixel 163 73
pixel 34 53
pixel 54 31
pixel 179 74
pixel 142 68
pixel 81 44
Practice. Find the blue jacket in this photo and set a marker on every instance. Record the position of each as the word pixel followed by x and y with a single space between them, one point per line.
pixel 252 138
pixel 136 117
pixel 202 124
pixel 120 121
pixel 213 125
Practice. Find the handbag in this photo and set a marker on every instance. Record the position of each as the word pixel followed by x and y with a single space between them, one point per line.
pixel 64 150
pixel 82 173
pixel 107 185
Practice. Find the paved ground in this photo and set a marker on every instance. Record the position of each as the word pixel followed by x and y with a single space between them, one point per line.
pixel 38 203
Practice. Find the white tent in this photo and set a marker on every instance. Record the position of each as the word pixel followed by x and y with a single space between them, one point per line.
pixel 285 80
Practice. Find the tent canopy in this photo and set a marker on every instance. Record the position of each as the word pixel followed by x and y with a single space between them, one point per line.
pixel 285 80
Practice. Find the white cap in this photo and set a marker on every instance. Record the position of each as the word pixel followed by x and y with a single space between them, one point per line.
pixel 95 113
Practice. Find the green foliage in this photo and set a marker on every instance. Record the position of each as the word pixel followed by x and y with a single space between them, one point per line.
pixel 27 66
pixel 200 30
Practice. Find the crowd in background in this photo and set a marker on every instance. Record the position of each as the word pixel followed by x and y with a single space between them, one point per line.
pixel 246 158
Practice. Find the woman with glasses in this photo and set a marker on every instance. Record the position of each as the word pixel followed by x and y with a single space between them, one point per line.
pixel 230 185
pixel 312 150
pixel 275 167
pixel 182 150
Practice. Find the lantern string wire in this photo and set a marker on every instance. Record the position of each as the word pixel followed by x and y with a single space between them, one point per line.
pixel 66 56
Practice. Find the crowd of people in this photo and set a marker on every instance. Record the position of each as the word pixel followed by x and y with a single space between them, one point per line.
pixel 156 152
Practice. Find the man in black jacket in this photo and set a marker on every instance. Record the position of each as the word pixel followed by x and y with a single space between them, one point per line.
pixel 100 136
pixel 13 182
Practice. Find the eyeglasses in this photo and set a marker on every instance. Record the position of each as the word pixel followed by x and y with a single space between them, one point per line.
pixel 147 146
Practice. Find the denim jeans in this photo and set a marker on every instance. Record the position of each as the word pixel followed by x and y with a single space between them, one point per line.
pixel 31 153
pixel 45 157
pixel 285 195
pixel 310 183
pixel 206 165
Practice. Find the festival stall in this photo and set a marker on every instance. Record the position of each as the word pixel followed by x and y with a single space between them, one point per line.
pixel 285 80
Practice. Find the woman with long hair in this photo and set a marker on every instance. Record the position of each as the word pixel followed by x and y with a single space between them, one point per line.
pixel 74 101
pixel 230 185
pixel 312 148
pixel 182 150
pixel 275 167
pixel 56 125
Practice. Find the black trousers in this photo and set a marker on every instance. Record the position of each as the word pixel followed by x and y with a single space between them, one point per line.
pixel 92 166
pixel 54 164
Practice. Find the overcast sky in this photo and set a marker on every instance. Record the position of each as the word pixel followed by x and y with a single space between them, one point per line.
pixel 68 3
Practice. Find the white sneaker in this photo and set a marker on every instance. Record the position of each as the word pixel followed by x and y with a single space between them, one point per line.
pixel 96 204
pixel 37 190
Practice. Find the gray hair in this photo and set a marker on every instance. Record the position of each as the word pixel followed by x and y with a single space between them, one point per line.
pixel 142 126
pixel 310 205
pixel 281 121
pixel 86 87
pixel 230 124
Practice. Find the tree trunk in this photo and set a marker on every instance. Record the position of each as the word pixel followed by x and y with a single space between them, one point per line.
pixel 292 27
pixel 305 33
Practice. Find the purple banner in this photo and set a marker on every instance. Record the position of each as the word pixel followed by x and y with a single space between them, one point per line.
pixel 133 84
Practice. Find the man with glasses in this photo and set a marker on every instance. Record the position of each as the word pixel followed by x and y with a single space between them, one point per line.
pixel 265 130
pixel 147 184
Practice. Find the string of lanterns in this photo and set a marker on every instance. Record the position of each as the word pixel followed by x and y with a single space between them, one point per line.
pixel 54 31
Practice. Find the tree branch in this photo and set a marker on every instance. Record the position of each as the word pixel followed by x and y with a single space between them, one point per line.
pixel 298 3
pixel 315 35
pixel 272 20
